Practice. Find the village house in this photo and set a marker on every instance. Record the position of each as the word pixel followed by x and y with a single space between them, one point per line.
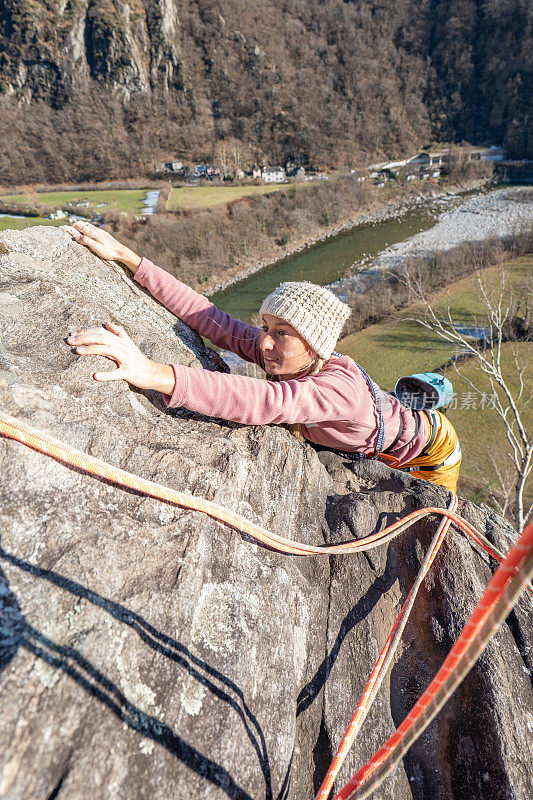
pixel 295 165
pixel 169 166
pixel 206 172
pixel 492 153
pixel 273 174
pixel 294 168
pixel 430 158
pixel 429 163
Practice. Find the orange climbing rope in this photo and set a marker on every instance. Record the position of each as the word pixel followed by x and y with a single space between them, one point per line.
pixel 22 432
pixel 506 586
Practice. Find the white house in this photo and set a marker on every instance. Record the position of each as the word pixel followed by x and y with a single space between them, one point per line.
pixel 273 174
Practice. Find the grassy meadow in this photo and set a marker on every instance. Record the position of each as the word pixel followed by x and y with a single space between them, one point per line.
pixel 129 200
pixel 195 198
pixel 11 223
pixel 398 346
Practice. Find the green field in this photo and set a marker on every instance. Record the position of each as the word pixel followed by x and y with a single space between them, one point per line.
pixel 399 347
pixel 199 197
pixel 8 223
pixel 129 200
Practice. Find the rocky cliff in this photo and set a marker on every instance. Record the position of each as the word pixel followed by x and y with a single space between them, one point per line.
pixel 51 50
pixel 148 652
pixel 116 84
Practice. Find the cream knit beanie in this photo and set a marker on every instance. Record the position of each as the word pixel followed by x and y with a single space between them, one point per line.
pixel 315 312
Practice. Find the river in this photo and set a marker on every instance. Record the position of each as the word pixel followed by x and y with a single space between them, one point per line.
pixel 330 260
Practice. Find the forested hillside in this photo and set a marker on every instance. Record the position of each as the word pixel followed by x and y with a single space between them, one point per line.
pixel 94 89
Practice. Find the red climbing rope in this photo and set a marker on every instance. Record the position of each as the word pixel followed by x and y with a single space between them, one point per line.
pixel 385 658
pixel 499 598
pixel 503 591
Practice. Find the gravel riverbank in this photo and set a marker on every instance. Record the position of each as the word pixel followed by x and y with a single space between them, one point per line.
pixel 500 213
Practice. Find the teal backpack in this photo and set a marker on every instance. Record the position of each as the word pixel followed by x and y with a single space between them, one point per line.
pixel 424 390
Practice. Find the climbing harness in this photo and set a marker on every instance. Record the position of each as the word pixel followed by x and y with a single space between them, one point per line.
pixel 421 386
pixel 506 586
pixel 381 453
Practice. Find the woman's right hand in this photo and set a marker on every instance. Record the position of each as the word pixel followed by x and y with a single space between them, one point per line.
pixel 105 245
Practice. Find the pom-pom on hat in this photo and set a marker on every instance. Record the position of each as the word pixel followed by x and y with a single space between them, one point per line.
pixel 315 312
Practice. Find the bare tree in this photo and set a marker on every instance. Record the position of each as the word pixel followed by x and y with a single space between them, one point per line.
pixel 232 155
pixel 506 319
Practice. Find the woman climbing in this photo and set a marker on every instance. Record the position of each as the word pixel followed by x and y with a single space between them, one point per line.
pixel 324 397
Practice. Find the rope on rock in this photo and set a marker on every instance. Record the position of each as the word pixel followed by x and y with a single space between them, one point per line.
pixel 50 446
pixel 507 584
pixel 499 598
pixel 382 665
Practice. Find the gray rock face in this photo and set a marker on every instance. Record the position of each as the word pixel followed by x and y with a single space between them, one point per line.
pixel 149 652
pixel 132 51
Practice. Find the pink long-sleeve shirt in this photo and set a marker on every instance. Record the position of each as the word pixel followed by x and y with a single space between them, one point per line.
pixel 335 408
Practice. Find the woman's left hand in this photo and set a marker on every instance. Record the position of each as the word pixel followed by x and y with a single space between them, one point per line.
pixel 103 244
pixel 113 343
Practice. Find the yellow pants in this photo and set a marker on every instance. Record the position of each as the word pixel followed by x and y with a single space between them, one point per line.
pixel 440 462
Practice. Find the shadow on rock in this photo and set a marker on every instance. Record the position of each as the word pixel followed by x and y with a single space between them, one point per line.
pixel 360 611
pixel 16 632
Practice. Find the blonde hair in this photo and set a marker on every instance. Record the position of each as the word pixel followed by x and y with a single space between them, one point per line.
pixel 295 428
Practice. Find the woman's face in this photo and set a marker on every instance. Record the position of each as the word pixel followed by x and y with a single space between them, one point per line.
pixel 284 350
